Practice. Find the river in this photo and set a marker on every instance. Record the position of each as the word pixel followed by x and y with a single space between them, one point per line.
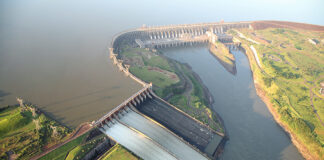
pixel 252 131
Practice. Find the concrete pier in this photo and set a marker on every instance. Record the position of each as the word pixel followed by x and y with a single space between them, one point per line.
pixel 191 130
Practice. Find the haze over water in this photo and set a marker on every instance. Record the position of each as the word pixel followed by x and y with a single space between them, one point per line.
pixel 54 53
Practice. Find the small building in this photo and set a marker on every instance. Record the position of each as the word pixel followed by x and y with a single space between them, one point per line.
pixel 219 37
pixel 313 41
pixel 321 91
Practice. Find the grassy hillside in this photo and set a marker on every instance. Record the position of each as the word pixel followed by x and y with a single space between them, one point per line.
pixel 171 80
pixel 118 152
pixel 24 132
pixel 290 76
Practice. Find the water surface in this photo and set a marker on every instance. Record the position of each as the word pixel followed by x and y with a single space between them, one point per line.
pixel 253 133
pixel 54 52
pixel 162 136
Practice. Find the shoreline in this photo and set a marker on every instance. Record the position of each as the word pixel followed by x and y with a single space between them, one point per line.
pixel 260 92
pixel 294 139
pixel 66 136
pixel 299 145
pixel 210 101
pixel 209 98
pixel 231 68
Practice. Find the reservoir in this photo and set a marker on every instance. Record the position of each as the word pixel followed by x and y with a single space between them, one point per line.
pixel 253 133
pixel 54 53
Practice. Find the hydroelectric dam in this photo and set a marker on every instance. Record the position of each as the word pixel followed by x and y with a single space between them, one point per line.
pixel 146 124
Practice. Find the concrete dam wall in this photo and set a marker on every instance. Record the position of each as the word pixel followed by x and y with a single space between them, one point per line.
pixel 141 130
pixel 197 134
pixel 165 129
pixel 146 124
pixel 173 35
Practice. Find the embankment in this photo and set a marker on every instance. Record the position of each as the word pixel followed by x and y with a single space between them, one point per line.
pixel 224 57
pixel 264 97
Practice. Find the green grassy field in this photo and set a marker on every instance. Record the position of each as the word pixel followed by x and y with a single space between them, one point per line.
pixel 148 57
pixel 158 79
pixel 73 153
pixel 26 134
pixel 75 149
pixel 119 153
pixel 61 152
pixel 292 71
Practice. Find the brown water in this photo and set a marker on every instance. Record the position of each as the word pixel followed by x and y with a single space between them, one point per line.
pixel 56 56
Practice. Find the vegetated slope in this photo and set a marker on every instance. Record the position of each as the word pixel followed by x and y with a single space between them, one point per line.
pixel 77 148
pixel 25 132
pixel 224 56
pixel 172 81
pixel 118 152
pixel 291 73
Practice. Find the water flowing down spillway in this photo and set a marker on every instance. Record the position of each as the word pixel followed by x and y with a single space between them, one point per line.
pixel 138 143
pixel 161 135
pixel 148 139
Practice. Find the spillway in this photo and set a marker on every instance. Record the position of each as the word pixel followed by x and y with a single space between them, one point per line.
pixel 138 143
pixel 191 131
pixel 161 135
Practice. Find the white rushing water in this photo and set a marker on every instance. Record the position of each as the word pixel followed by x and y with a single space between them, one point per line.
pixel 161 135
pixel 138 143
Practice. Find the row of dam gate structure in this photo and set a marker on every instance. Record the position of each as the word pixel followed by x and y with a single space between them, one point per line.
pixel 154 129
pixel 173 35
pixel 149 126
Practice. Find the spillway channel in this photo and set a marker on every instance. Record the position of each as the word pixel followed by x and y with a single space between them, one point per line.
pixel 161 135
pixel 148 139
pixel 137 142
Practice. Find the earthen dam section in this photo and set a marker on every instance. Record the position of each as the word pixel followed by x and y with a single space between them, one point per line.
pixel 146 124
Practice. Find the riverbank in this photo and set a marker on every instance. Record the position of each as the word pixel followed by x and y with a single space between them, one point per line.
pixel 79 131
pixel 260 85
pixel 223 56
pixel 300 146
pixel 194 82
pixel 172 81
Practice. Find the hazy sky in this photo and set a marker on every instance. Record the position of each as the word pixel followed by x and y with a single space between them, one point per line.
pixel 308 11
